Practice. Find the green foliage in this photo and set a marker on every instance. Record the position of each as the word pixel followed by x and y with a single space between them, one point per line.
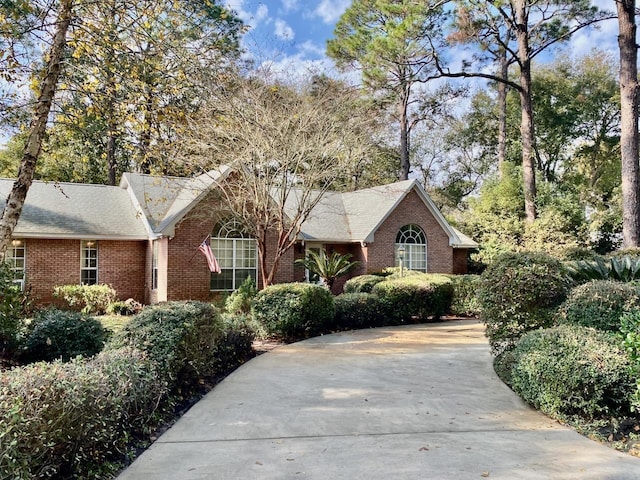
pixel 465 299
pixel 241 300
pixel 630 332
pixel 294 310
pixel 70 420
pixel 120 308
pixel 416 296
pixel 572 370
pixel 622 268
pixel 86 298
pixel 327 267
pixel 12 308
pixel 599 304
pixel 519 292
pixel 181 338
pixel 59 334
pixel 235 344
pixel 359 310
pixel 362 283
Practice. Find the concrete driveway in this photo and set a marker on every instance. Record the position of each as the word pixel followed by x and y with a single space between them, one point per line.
pixel 414 402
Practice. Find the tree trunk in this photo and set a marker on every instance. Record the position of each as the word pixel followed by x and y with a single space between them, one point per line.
pixel 629 123
pixel 526 126
pixel 405 164
pixel 37 128
pixel 502 112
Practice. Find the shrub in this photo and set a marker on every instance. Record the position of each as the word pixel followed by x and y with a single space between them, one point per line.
pixel 572 370
pixel 327 267
pixel 69 420
pixel 599 304
pixel 128 307
pixel 235 345
pixel 12 304
pixel 58 334
pixel 465 300
pixel 241 300
pixel 518 293
pixel 359 310
pixel 294 310
pixel 630 331
pixel 86 298
pixel 362 283
pixel 416 296
pixel 179 337
pixel 625 269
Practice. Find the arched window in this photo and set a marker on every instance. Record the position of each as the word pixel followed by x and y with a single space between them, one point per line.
pixel 236 253
pixel 414 241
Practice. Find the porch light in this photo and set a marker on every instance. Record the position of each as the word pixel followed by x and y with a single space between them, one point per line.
pixel 401 252
pixel 16 243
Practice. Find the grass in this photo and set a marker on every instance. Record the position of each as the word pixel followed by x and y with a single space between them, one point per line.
pixel 113 322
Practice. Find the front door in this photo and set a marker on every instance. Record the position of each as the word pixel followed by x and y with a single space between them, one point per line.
pixel 315 248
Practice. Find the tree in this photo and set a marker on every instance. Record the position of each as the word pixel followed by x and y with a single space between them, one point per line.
pixel 629 90
pixel 390 42
pixel 327 267
pixel 37 128
pixel 287 144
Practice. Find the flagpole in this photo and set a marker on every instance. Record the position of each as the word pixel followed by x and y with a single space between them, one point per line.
pixel 196 252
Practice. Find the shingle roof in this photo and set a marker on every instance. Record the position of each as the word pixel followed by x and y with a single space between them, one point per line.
pixel 75 210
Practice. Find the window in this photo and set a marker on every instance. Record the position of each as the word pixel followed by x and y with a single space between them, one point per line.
pixel 88 262
pixel 16 259
pixel 237 255
pixel 414 241
pixel 154 265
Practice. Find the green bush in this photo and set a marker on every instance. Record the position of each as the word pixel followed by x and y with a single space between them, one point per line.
pixel 359 310
pixel 599 304
pixel 70 420
pixel 519 292
pixel 181 338
pixel 241 300
pixel 86 298
pixel 12 308
pixel 572 370
pixel 294 310
pixel 59 334
pixel 362 283
pixel 465 299
pixel 416 296
pixel 624 269
pixel 630 331
pixel 235 345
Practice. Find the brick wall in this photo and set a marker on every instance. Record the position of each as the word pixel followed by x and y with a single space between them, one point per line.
pixel 57 262
pixel 411 210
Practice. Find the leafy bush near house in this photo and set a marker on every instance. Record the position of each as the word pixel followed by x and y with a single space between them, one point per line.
pixel 60 334
pixel 86 298
pixel 362 283
pixel 12 308
pixel 599 304
pixel 359 310
pixel 294 310
pixel 416 296
pixel 181 338
pixel 572 370
pixel 236 343
pixel 241 300
pixel 519 292
pixel 621 268
pixel 69 420
pixel 465 299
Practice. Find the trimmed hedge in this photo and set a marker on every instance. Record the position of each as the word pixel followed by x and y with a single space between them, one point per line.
pixel 359 310
pixel 362 283
pixel 520 292
pixel 294 310
pixel 417 296
pixel 465 295
pixel 60 334
pixel 86 298
pixel 69 420
pixel 572 370
pixel 599 304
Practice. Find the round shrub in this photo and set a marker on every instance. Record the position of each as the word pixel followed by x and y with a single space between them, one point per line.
pixel 599 304
pixel 572 370
pixel 417 296
pixel 362 283
pixel 519 292
pixel 465 299
pixel 294 310
pixel 60 334
pixel 359 310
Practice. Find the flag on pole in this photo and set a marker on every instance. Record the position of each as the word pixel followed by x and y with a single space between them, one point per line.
pixel 205 249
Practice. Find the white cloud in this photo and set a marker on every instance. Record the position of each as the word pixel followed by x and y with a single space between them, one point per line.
pixel 282 30
pixel 249 18
pixel 290 5
pixel 331 10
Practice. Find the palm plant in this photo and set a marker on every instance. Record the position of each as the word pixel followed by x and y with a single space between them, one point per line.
pixel 327 267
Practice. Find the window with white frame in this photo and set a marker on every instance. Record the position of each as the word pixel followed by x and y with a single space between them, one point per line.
pixel 15 257
pixel 154 265
pixel 414 241
pixel 88 262
pixel 237 255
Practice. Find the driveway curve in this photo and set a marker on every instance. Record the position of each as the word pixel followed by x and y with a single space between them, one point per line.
pixel 412 402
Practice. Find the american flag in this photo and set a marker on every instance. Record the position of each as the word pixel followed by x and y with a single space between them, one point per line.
pixel 205 249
